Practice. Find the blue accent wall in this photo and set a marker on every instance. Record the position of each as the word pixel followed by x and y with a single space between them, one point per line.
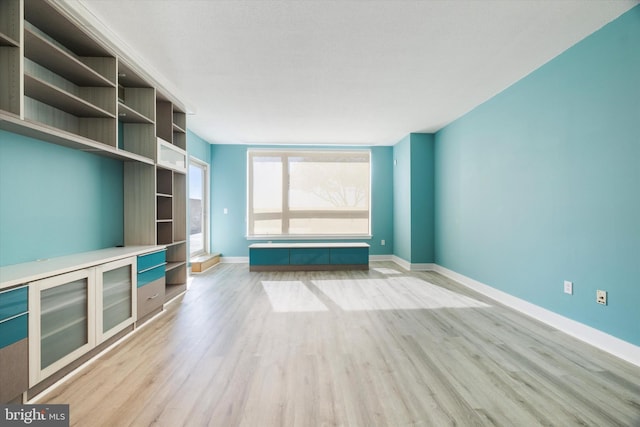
pixel 413 198
pixel 541 184
pixel 402 199
pixel 56 201
pixel 229 190
pixel 422 198
pixel 198 147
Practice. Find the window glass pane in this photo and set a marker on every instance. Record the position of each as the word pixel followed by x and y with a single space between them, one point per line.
pixel 267 184
pixel 116 297
pixel 328 185
pixel 264 227
pixel 63 320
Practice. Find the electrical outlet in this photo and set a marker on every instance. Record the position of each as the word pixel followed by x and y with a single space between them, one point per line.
pixel 382 242
pixel 568 287
pixel 601 297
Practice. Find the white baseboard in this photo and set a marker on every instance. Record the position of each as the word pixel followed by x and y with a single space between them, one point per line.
pixel 412 266
pixel 380 258
pixel 619 348
pixel 234 260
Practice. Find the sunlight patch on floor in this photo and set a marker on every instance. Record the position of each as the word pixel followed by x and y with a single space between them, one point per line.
pixel 291 296
pixel 387 271
pixel 394 293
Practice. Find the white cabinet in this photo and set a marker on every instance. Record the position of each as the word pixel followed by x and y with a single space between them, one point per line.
pixel 116 297
pixel 62 323
pixel 74 312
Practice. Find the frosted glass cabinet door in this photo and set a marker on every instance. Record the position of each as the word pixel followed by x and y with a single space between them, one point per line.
pixel 61 322
pixel 116 297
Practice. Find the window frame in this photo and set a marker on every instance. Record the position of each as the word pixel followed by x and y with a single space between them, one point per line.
pixel 287 214
pixel 205 206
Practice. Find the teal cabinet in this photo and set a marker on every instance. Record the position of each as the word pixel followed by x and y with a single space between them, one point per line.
pixel 154 259
pixel 349 256
pixel 151 284
pixel 148 276
pixel 151 267
pixel 14 319
pixel 265 256
pixel 14 345
pixel 309 256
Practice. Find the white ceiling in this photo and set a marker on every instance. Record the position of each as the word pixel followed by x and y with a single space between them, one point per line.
pixel 341 72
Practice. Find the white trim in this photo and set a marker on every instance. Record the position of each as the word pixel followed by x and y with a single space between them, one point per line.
pixel 373 258
pixel 234 260
pixel 619 348
pixel 206 208
pixel 412 266
pixel 310 237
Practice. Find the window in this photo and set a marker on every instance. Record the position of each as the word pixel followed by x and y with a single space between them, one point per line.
pixel 308 193
pixel 198 207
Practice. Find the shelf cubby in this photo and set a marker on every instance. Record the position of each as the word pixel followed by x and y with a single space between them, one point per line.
pixel 10 56
pixel 10 19
pixel 165 232
pixel 39 48
pixel 136 112
pixel 164 183
pixel 179 207
pixel 164 207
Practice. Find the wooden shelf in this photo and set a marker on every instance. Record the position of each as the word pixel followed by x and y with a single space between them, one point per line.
pixel 127 77
pixel 37 130
pixel 61 62
pixel 127 114
pixel 177 128
pixel 5 40
pixel 50 19
pixel 173 265
pixel 51 95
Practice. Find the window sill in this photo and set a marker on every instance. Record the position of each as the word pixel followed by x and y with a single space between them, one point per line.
pixel 311 237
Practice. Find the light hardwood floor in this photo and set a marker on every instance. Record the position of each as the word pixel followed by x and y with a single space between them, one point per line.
pixel 382 347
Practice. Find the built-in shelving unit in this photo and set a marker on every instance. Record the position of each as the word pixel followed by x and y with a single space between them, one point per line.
pixel 171 226
pixel 61 82
pixel 69 78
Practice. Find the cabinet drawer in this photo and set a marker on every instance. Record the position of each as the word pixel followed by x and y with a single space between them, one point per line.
pixel 349 255
pixel 13 302
pixel 13 330
pixel 270 256
pixel 309 256
pixel 150 297
pixel 149 276
pixel 151 260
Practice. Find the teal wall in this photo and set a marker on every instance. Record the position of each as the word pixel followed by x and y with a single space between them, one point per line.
pixel 541 184
pixel 198 147
pixel 56 201
pixel 402 199
pixel 229 190
pixel 422 198
pixel 413 198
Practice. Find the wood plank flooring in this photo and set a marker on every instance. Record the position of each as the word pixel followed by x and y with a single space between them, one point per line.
pixel 382 347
